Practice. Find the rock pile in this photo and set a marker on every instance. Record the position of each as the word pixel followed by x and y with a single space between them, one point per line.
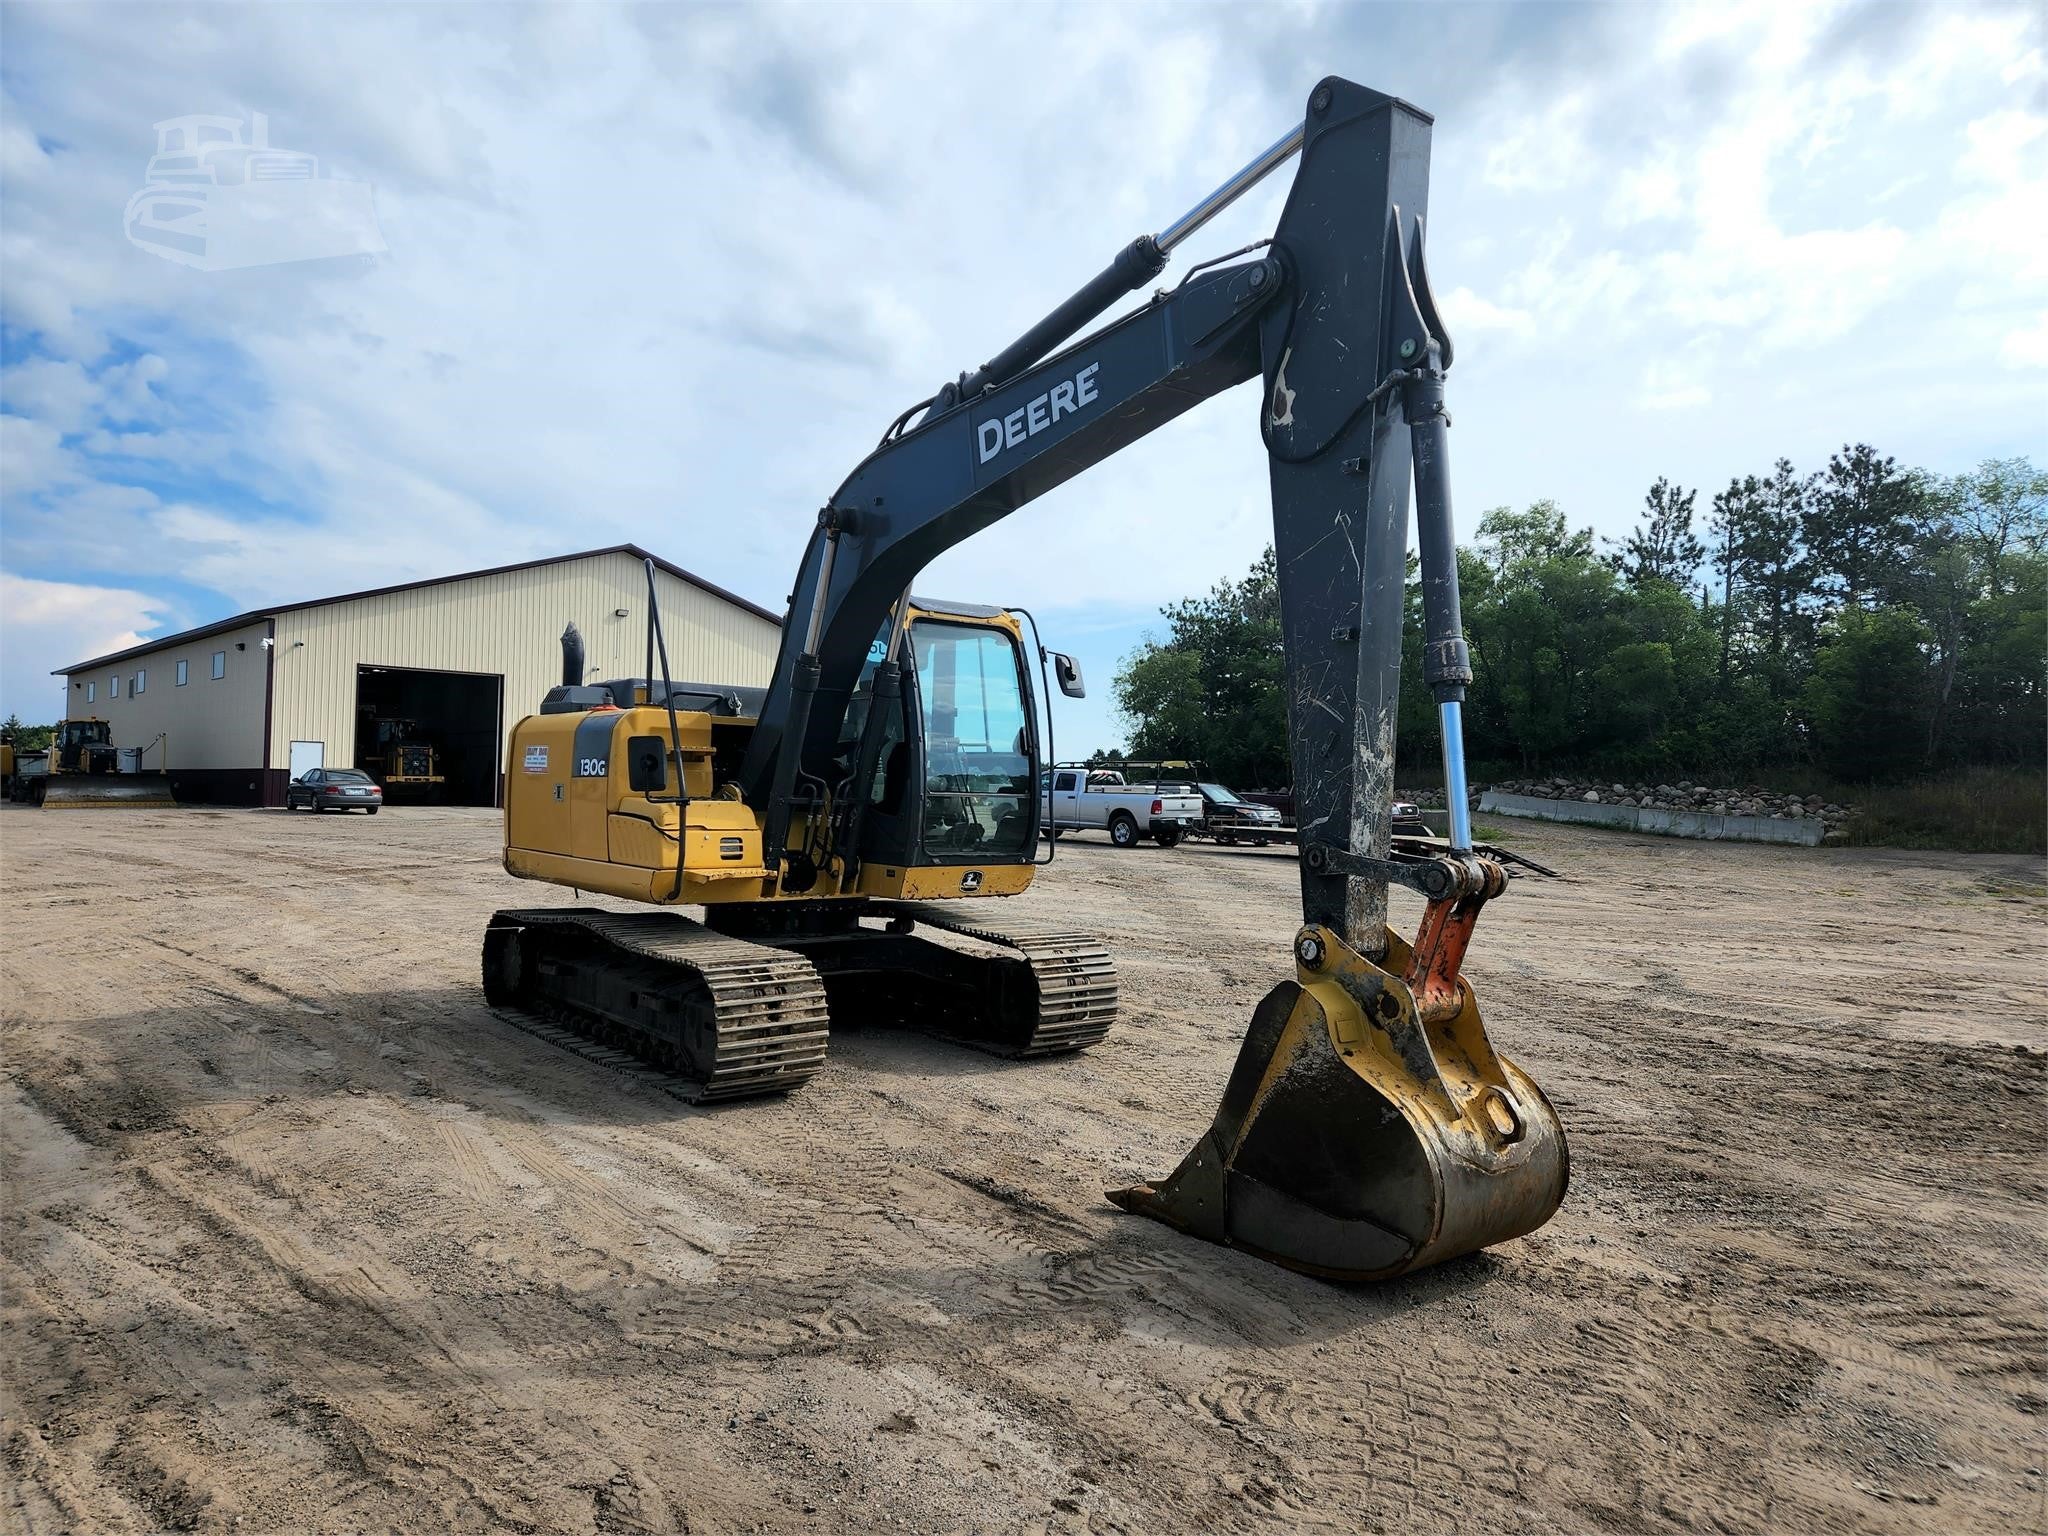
pixel 1685 796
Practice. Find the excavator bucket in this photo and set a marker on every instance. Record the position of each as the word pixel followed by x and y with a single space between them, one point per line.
pixel 106 791
pixel 1366 1130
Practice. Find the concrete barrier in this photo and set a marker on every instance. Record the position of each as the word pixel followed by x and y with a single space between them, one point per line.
pixel 1805 831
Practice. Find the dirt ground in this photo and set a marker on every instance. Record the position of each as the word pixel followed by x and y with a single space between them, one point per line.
pixel 299 1237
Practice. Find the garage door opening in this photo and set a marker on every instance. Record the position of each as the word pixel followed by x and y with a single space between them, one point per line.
pixel 430 738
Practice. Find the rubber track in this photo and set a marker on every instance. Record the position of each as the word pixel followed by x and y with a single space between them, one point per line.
pixel 1076 978
pixel 773 1022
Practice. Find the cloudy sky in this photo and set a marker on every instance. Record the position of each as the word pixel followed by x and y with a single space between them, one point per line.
pixel 663 273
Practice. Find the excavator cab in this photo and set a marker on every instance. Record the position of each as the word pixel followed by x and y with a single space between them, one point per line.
pixel 953 778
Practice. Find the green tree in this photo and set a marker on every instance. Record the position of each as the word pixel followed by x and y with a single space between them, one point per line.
pixel 1214 689
pixel 1999 712
pixel 1864 699
pixel 1663 548
pixel 27 738
pixel 1773 568
pixel 1539 615
pixel 1507 538
pixel 1735 518
pixel 1916 639
pixel 1859 523
pixel 2000 507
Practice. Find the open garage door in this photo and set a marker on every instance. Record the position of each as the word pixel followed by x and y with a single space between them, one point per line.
pixel 430 738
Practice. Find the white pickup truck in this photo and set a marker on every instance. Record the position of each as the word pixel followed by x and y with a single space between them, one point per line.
pixel 1098 800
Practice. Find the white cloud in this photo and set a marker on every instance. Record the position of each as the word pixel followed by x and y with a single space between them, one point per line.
pixel 1544 151
pixel 2027 347
pixel 1465 311
pixel 49 624
pixel 1672 386
pixel 32 457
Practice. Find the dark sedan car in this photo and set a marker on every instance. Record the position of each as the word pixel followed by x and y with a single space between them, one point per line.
pixel 333 789
pixel 1407 818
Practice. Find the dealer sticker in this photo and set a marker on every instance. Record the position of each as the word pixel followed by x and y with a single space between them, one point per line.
pixel 536 759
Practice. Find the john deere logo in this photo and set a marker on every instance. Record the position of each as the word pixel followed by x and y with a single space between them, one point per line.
pixel 971 881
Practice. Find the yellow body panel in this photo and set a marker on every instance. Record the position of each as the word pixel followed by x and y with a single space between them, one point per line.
pixel 573 818
pixel 925 882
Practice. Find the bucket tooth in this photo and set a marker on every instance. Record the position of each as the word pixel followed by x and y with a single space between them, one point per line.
pixel 1358 1139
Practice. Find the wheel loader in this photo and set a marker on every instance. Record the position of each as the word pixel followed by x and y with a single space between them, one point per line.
pixel 848 829
pixel 83 769
pixel 393 751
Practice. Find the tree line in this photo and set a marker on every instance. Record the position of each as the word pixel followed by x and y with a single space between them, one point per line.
pixel 1866 620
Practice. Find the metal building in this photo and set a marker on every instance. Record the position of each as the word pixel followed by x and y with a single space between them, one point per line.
pixel 236 709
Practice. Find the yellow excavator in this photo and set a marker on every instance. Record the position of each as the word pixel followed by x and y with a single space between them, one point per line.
pixel 845 827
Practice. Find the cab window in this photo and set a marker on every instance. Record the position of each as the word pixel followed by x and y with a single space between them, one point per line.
pixel 976 738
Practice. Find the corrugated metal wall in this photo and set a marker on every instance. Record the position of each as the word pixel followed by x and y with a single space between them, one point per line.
pixel 510 625
pixel 211 722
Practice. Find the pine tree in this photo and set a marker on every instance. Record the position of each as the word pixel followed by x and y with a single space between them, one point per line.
pixel 1663 548
pixel 1737 512
pixel 1772 564
pixel 1858 523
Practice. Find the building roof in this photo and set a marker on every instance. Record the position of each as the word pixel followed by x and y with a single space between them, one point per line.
pixel 221 626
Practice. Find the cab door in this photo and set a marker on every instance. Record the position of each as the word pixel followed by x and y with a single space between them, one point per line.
pixel 1066 796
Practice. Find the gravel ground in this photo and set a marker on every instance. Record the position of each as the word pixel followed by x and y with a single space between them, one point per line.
pixel 299 1237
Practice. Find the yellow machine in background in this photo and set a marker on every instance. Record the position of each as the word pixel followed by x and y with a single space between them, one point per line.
pixel 83 769
pixel 390 751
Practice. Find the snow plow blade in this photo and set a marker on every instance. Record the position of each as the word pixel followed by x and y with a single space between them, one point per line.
pixel 106 791
pixel 1359 1137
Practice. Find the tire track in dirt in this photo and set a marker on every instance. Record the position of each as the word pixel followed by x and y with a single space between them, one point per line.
pixel 505 1288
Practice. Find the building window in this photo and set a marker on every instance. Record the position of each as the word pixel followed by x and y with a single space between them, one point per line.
pixel 141 680
pixel 114 686
pixel 183 668
pixel 220 663
pixel 91 692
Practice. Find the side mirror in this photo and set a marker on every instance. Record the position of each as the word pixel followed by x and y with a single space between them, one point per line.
pixel 1068 673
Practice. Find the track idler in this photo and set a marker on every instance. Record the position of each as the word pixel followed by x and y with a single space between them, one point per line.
pixel 1369 1127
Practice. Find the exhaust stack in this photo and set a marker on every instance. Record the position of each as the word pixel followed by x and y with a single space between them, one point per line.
pixel 572 657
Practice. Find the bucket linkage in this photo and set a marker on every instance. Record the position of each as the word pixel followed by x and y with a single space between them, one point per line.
pixel 1369 1127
